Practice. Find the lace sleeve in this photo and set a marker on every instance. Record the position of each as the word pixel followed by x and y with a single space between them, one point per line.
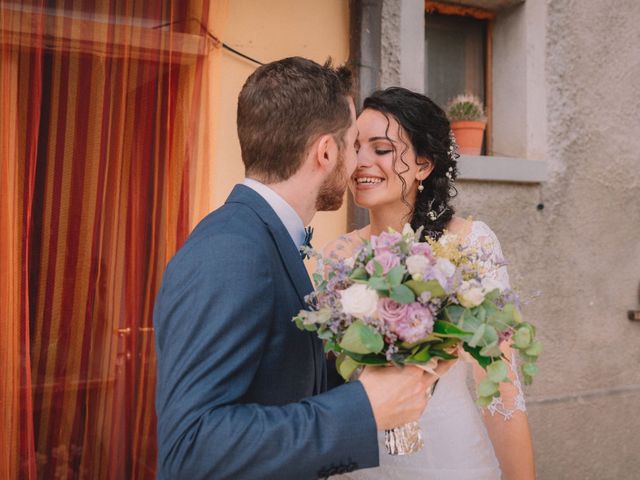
pixel 511 397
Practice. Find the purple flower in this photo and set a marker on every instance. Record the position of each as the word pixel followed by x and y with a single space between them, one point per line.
pixel 417 324
pixel 422 248
pixel 391 312
pixel 385 241
pixel 387 261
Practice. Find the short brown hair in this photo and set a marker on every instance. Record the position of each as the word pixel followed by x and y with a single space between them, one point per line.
pixel 286 105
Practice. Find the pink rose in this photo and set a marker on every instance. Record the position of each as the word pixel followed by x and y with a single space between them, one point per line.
pixel 391 312
pixel 417 324
pixel 387 260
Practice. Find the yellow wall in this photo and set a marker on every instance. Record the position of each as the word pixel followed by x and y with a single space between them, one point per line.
pixel 267 31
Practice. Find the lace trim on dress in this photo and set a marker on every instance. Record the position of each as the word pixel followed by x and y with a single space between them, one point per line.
pixel 497 404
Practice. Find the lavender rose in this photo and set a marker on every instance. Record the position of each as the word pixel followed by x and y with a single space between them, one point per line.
pixel 386 259
pixel 391 312
pixel 384 242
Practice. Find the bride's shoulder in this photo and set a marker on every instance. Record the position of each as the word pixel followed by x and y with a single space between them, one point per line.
pixel 470 230
pixel 345 245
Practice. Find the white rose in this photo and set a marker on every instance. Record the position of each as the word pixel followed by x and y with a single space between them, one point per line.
pixel 417 264
pixel 490 284
pixel 446 267
pixel 470 296
pixel 359 300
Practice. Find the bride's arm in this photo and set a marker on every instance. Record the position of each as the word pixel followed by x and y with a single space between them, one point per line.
pixel 506 417
pixel 508 426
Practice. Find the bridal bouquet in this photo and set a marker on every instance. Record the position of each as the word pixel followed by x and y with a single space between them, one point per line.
pixel 399 300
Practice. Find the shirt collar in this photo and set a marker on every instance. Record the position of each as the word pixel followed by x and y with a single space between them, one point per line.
pixel 287 215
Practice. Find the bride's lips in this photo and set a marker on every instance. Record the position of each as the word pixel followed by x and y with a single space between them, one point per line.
pixel 367 182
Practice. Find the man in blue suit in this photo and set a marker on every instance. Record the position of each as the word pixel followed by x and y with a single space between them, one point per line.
pixel 241 392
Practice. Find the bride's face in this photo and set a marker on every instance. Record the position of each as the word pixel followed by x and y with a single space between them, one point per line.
pixel 385 154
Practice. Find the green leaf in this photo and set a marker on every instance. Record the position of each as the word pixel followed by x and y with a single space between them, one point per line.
pixel 346 366
pixel 359 274
pixel 448 329
pixel 420 286
pixel 484 402
pixel 490 335
pixel 480 313
pixel 511 310
pixel 369 359
pixel 454 313
pixel 491 350
pixel 492 295
pixel 498 371
pixel 421 356
pixel 378 283
pixel 317 279
pixel 442 354
pixel 477 335
pixel 487 387
pixel 361 338
pixel 325 334
pixel 522 337
pixel 402 294
pixel 331 346
pixel 482 360
pixel 534 349
pixel 378 271
pixel 530 369
pixel 395 275
pixel 431 338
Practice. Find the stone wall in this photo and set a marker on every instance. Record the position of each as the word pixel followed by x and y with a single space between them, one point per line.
pixel 574 68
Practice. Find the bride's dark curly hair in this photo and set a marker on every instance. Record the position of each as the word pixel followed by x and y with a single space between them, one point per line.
pixel 427 127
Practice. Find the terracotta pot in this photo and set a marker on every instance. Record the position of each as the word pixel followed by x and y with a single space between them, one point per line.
pixel 469 136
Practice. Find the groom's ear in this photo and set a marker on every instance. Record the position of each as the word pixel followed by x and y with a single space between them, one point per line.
pixel 325 152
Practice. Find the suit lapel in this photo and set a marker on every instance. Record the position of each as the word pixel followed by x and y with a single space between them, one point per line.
pixel 289 252
pixel 292 261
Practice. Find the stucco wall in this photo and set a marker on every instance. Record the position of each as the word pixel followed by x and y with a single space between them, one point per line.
pixel 269 31
pixel 577 109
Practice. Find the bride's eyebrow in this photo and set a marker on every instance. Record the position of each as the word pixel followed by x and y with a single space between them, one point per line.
pixel 373 139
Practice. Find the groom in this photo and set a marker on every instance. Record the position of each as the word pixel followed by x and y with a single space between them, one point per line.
pixel 241 392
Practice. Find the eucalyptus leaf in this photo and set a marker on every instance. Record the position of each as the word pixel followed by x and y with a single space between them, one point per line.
pixel 491 350
pixel 534 349
pixel 498 371
pixel 522 337
pixel 359 274
pixel 346 366
pixel 431 286
pixel 395 275
pixel 361 338
pixel 477 336
pixel 378 283
pixel 378 271
pixel 369 359
pixel 530 369
pixel 487 387
pixel 402 294
pixel 454 313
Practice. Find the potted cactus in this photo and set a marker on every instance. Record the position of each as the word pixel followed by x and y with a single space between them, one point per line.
pixel 468 121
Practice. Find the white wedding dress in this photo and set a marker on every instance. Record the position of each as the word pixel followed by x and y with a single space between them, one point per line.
pixel 456 443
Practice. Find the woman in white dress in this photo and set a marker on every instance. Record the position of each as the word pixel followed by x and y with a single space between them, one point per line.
pixel 405 173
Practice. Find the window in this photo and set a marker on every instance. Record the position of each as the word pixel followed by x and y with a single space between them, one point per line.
pixel 458 56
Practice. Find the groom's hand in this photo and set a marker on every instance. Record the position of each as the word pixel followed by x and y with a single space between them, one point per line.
pixel 398 395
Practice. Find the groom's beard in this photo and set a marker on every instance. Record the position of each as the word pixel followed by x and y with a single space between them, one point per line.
pixel 332 190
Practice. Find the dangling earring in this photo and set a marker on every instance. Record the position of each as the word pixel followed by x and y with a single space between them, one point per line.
pixel 420 186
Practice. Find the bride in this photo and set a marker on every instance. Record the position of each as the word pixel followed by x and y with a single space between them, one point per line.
pixel 405 173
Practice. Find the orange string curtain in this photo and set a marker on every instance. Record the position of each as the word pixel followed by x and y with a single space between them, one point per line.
pixel 101 143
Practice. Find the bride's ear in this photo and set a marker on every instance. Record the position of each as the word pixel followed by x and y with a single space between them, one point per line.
pixel 425 167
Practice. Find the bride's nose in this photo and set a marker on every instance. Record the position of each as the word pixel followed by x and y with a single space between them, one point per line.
pixel 364 158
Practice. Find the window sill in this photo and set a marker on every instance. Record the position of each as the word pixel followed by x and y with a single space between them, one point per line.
pixel 501 169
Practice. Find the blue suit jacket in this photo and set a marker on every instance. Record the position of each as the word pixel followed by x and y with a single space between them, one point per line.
pixel 241 392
